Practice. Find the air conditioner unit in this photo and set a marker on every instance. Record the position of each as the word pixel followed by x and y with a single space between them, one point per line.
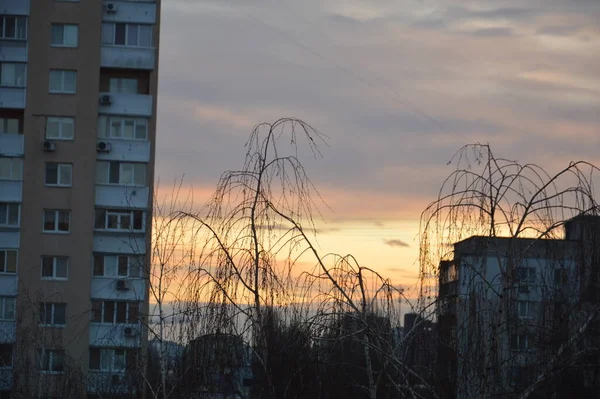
pixel 129 332
pixel 102 146
pixel 105 99
pixel 49 146
pixel 122 285
pixel 111 7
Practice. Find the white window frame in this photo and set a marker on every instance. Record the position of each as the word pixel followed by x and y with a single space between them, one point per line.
pixel 103 176
pixel 524 310
pixel 120 214
pixel 120 85
pixel 52 307
pixel 108 357
pixel 5 123
pixel 107 130
pixel 4 260
pixel 63 73
pixel 61 122
pixel 8 206
pixel 19 74
pixel 110 29
pixel 8 306
pixel 50 354
pixel 114 321
pixel 55 265
pixel 15 167
pixel 57 213
pixel 59 174
pixel 17 18
pixel 111 262
pixel 67 32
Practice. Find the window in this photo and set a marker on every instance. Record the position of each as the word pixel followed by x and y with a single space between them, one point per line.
pixel 112 312
pixel 64 35
pixel 123 173
pixel 123 85
pixel 63 81
pixel 53 314
pixel 8 261
pixel 60 128
pixel 119 220
pixel 9 214
pixel 6 351
pixel 11 126
pixel 10 168
pixel 561 276
pixel 57 221
pixel 12 27
pixel 59 174
pixel 120 34
pixel 7 307
pixel 521 342
pixel 55 267
pixel 116 127
pixel 51 360
pixel 112 359
pixel 525 277
pixel 12 74
pixel 118 265
pixel 525 309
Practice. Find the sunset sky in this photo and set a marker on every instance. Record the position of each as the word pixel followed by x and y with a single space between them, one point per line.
pixel 398 86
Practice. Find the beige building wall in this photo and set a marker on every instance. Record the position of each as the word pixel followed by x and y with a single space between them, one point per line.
pixel 81 242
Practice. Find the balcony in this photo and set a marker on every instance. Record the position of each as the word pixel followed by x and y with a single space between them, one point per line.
pixel 125 150
pixel 13 51
pixel 106 288
pixel 12 97
pixel 11 191
pixel 7 332
pixel 141 12
pixel 12 7
pixel 127 104
pixel 113 335
pixel 122 196
pixel 11 144
pixel 127 57
pixel 119 244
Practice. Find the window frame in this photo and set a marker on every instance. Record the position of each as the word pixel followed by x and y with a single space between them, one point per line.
pixel 528 313
pixel 119 213
pixel 57 215
pixel 106 123
pixel 4 124
pixel 116 265
pixel 55 265
pixel 61 121
pixel 104 356
pixel 11 167
pixel 4 261
pixel 63 73
pixel 15 84
pixel 99 312
pixel 50 355
pixel 59 168
pixel 64 27
pixel 106 180
pixel 8 206
pixel 17 18
pixel 43 311
pixel 4 305
pixel 111 28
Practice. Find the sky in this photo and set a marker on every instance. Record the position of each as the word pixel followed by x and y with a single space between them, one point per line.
pixel 398 86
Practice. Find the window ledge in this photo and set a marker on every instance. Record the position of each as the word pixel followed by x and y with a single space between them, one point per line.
pixel 58 326
pixel 49 372
pixel 63 46
pixel 54 279
pixel 58 186
pixel 56 232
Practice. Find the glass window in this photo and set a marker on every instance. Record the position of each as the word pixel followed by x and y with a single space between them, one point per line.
pixel 6 351
pixel 62 81
pixel 56 221
pixel 60 128
pixel 55 267
pixel 8 261
pixel 7 308
pixel 98 265
pixel 120 33
pixel 9 214
pixel 59 174
pixel 12 74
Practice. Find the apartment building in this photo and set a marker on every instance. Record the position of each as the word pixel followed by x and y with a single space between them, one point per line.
pixel 78 85
pixel 506 307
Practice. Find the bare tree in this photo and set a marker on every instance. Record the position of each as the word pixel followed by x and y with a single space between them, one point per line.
pixel 498 226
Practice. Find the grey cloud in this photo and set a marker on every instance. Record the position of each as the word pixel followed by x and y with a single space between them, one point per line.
pixel 558 30
pixel 396 243
pixel 492 32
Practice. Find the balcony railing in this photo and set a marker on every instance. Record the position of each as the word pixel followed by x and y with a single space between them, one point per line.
pixel 12 97
pixel 128 57
pixel 12 7
pixel 125 104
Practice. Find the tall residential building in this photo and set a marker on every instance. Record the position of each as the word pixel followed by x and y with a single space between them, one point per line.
pixel 78 85
pixel 517 314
